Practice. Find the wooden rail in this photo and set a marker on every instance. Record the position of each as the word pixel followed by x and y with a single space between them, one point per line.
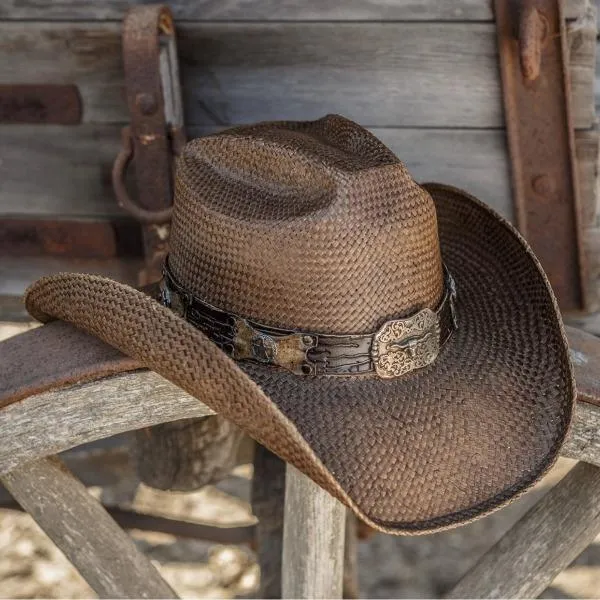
pixel 55 421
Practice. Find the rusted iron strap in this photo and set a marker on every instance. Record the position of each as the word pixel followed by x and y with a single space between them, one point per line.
pixel 40 104
pixel 156 133
pixel 117 238
pixel 536 91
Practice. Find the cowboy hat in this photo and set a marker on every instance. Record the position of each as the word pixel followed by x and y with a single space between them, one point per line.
pixel 398 343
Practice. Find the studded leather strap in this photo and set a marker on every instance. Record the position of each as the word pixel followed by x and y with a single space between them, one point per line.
pixel 398 347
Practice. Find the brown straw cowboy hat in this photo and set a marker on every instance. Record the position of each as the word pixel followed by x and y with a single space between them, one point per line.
pixel 399 344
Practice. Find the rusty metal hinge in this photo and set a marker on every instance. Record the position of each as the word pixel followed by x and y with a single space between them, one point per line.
pixel 155 135
pixel 536 90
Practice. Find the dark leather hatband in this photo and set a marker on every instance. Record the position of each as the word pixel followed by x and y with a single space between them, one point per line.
pixel 398 347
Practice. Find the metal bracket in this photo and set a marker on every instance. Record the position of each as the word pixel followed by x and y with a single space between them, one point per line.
pixel 536 91
pixel 36 103
pixel 156 133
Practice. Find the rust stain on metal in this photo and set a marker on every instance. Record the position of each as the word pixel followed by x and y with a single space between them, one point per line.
pixel 155 134
pixel 536 90
pixel 72 239
pixel 40 103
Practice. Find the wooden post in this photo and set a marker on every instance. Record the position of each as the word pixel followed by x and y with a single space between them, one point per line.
pixel 313 540
pixel 268 500
pixel 544 542
pixel 97 547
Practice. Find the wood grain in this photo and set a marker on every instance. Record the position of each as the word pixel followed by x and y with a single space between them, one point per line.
pixel 58 420
pixel 55 421
pixel 271 10
pixel 379 74
pixel 544 542
pixel 268 500
pixel 49 171
pixel 313 540
pixel 187 454
pixel 17 273
pixel 99 549
pixel 583 442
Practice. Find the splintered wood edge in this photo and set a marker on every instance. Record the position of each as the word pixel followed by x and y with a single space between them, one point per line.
pixel 57 420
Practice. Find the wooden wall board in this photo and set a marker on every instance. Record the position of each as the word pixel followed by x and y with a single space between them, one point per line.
pixel 379 74
pixel 270 10
pixel 51 171
pixel 17 273
pixel 53 183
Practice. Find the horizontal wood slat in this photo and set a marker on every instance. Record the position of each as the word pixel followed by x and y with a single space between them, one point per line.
pixel 65 171
pixel 52 172
pixel 54 421
pixel 271 10
pixel 379 74
pixel 16 273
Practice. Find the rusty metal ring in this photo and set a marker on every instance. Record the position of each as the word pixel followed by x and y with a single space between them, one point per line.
pixel 122 160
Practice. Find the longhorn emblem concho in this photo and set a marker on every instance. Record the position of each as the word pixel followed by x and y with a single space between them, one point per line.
pixel 403 345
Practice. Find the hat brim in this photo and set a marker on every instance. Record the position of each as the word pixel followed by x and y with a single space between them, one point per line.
pixel 430 450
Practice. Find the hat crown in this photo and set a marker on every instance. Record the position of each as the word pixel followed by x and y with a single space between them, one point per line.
pixel 309 225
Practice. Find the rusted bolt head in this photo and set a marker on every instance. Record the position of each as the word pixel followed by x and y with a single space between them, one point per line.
pixel 307 340
pixel 146 102
pixel 544 185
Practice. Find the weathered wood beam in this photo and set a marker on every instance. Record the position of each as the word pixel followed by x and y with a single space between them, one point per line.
pixel 187 454
pixel 303 69
pixel 544 542
pixel 70 166
pixel 99 549
pixel 275 10
pixel 58 420
pixel 313 540
pixel 55 421
pixel 268 500
pixel 583 442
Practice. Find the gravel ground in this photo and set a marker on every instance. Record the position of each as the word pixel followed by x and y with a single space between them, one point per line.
pixel 390 567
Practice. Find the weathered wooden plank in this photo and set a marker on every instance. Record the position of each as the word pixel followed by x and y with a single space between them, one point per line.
pixel 50 181
pixel 55 421
pixel 313 540
pixel 545 541
pixel 98 548
pixel 271 10
pixel 17 273
pixel 50 171
pixel 379 74
pixel 583 442
pixel 268 500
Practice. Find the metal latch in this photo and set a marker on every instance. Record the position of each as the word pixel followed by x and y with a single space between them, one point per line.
pixel 156 133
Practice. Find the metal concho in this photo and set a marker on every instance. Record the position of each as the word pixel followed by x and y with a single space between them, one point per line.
pixel 404 345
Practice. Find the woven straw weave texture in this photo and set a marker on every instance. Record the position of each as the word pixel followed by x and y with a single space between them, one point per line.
pixel 318 226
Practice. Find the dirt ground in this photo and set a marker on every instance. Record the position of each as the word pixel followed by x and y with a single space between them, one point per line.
pixel 390 567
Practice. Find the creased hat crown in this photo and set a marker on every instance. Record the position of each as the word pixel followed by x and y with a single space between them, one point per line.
pixel 309 225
